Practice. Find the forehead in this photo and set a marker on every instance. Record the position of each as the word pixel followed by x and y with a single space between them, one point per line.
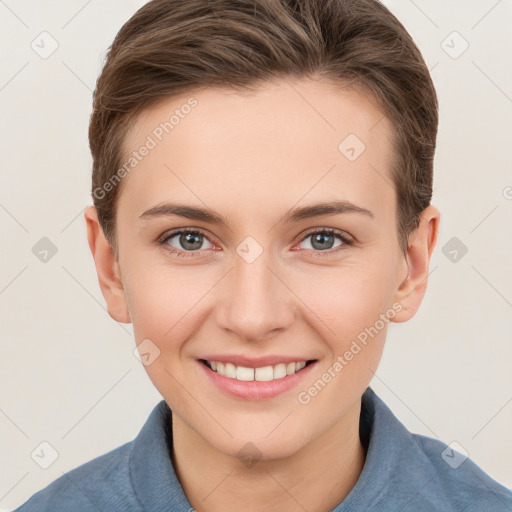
pixel 284 139
pixel 328 107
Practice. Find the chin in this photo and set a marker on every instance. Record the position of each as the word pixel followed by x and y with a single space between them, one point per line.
pixel 250 450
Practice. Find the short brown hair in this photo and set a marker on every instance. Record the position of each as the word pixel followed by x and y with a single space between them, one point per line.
pixel 171 47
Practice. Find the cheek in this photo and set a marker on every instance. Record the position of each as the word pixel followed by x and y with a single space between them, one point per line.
pixel 352 311
pixel 163 301
pixel 338 301
pixel 346 300
pixel 164 304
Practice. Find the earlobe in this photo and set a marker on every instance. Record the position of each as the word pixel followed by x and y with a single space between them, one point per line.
pixel 107 268
pixel 422 241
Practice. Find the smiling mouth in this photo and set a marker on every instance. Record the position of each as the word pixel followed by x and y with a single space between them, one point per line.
pixel 261 374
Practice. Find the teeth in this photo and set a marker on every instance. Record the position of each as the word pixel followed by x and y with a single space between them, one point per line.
pixel 244 373
pixel 230 370
pixel 279 371
pixel 299 366
pixel 263 374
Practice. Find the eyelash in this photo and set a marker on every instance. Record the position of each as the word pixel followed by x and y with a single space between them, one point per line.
pixel 196 231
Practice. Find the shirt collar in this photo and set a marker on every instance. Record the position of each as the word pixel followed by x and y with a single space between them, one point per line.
pixel 154 480
pixel 391 449
pixel 388 443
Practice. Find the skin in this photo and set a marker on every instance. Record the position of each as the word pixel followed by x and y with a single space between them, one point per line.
pixel 251 157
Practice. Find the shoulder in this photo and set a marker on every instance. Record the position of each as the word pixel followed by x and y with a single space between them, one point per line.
pixel 102 483
pixel 136 472
pixel 456 482
pixel 407 471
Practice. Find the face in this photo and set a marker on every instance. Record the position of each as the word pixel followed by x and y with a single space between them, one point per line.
pixel 260 277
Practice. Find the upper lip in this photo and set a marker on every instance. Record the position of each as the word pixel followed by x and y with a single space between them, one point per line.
pixel 256 362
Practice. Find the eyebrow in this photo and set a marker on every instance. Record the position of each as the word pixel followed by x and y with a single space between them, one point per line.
pixel 293 215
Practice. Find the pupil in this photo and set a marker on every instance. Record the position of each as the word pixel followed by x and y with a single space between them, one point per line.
pixel 187 241
pixel 321 238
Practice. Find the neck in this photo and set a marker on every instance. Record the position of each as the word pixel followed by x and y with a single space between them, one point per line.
pixel 316 478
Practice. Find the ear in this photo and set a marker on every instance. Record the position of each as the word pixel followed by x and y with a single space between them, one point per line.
pixel 107 268
pixel 421 245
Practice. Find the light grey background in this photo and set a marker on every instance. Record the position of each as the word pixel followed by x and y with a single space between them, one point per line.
pixel 69 376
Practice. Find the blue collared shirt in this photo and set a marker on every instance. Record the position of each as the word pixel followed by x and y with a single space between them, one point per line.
pixel 402 472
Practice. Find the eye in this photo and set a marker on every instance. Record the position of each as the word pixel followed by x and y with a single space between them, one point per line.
pixel 188 241
pixel 322 240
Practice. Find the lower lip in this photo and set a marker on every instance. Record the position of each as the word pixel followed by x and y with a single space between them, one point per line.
pixel 256 390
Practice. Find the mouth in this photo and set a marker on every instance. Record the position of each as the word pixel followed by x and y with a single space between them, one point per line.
pixel 266 373
pixel 255 382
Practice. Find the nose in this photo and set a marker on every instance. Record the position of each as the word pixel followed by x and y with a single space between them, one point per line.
pixel 255 302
